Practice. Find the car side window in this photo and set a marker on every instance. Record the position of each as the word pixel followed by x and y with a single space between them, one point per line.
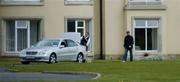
pixel 55 43
pixel 71 43
pixel 64 43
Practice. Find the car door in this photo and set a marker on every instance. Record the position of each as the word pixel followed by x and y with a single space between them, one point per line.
pixel 73 49
pixel 63 51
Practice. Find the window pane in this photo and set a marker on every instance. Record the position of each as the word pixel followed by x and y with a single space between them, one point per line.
pixel 153 23
pixel 21 24
pixel 21 39
pixel 10 36
pixel 140 39
pixel 71 43
pixel 71 26
pixel 81 30
pixel 48 43
pixel 140 22
pixel 152 38
pixel 34 32
pixel 80 24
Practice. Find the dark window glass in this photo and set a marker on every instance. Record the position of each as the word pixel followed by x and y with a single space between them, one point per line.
pixel 80 24
pixel 152 39
pixel 21 39
pixel 81 30
pixel 71 26
pixel 34 32
pixel 10 35
pixel 140 39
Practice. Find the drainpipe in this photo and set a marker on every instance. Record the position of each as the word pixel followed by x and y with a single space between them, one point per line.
pixel 101 30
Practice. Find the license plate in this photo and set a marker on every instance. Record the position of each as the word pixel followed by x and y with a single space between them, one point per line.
pixel 30 57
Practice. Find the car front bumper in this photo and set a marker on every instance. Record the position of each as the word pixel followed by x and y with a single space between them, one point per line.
pixel 34 58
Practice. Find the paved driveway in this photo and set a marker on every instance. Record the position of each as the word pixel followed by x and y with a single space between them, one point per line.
pixel 7 76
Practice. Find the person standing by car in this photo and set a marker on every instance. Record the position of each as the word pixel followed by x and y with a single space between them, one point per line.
pixel 88 41
pixel 85 40
pixel 128 45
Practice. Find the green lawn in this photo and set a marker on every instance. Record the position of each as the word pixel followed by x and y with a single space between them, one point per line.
pixel 111 71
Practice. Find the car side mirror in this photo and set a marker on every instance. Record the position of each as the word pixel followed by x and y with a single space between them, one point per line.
pixel 61 46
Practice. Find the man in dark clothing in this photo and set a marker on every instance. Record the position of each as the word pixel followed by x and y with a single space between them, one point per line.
pixel 83 41
pixel 128 45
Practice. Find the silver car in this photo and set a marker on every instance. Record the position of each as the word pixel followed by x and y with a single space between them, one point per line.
pixel 53 50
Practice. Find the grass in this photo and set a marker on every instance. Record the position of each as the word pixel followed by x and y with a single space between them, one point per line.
pixel 111 71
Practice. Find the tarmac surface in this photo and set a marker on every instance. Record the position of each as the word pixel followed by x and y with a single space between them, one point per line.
pixel 5 75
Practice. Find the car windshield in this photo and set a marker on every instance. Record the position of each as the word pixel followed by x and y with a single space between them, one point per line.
pixel 48 43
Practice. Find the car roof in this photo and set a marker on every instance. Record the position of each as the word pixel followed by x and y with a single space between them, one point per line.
pixel 75 36
pixel 57 39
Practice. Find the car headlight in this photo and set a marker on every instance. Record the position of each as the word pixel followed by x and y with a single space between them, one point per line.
pixel 43 52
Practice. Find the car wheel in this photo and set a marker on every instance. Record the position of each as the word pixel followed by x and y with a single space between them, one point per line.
pixel 52 59
pixel 25 62
pixel 80 58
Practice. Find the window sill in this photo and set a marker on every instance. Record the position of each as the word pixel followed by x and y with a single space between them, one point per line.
pixel 146 51
pixel 16 4
pixel 68 3
pixel 41 3
pixel 145 7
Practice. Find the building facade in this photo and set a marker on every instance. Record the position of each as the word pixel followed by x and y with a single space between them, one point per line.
pixel 152 23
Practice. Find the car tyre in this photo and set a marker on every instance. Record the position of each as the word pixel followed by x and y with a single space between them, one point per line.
pixel 25 62
pixel 52 59
pixel 80 58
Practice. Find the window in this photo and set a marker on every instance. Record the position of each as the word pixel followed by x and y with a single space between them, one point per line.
pixel 77 26
pixel 78 2
pixel 64 43
pixel 21 34
pixel 146 34
pixel 81 25
pixel 71 43
pixel 145 2
pixel 21 2
pixel 48 43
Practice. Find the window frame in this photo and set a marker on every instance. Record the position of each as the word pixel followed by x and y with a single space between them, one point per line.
pixel 22 3
pixel 77 27
pixel 90 2
pixel 146 27
pixel 20 28
pixel 15 42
